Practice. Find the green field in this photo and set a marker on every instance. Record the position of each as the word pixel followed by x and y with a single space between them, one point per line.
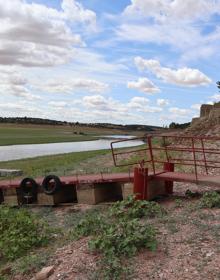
pixel 63 164
pixel 37 134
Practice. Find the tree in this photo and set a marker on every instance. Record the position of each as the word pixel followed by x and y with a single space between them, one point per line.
pixel 218 85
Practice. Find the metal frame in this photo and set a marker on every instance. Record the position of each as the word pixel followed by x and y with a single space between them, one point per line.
pixel 190 154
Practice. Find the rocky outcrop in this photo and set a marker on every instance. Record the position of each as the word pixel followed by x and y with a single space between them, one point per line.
pixel 209 121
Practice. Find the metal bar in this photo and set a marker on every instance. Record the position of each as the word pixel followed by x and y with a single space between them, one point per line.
pixel 194 156
pixel 151 152
pixel 211 151
pixel 164 142
pixel 204 155
pixel 130 152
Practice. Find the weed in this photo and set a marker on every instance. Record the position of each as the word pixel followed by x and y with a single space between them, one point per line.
pixel 89 225
pixel 178 203
pixel 210 200
pixel 29 263
pixel 191 194
pixel 132 208
pixel 118 234
pixel 20 231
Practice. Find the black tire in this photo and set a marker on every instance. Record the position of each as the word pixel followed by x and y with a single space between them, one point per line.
pixel 28 189
pixel 47 188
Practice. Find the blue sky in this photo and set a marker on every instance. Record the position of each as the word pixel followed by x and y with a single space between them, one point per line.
pixel 138 61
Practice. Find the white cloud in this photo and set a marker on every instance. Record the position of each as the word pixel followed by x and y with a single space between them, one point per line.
pixel 142 104
pixel 162 102
pixel 215 97
pixel 13 83
pixel 170 10
pixel 179 111
pixel 143 85
pixel 138 102
pixel 196 106
pixel 35 35
pixel 182 77
pixel 69 86
pixel 177 23
pixel 59 104
pixel 74 11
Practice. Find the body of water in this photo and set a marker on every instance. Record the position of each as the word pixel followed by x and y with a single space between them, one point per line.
pixel 14 152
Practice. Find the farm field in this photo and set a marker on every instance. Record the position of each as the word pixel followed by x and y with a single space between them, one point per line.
pixel 12 134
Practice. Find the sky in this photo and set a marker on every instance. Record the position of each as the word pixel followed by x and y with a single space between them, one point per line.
pixel 146 62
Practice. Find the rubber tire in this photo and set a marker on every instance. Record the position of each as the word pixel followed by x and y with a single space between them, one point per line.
pixel 26 190
pixel 57 184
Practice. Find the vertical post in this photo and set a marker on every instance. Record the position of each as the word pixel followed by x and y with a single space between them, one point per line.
pixel 204 156
pixel 168 167
pixel 194 158
pixel 140 183
pixel 151 152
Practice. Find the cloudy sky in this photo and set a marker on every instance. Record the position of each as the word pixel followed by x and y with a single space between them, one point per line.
pixel 127 61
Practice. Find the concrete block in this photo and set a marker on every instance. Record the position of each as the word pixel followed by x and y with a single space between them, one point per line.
pixel 88 193
pixel 1 196
pixel 10 172
pixel 66 195
pixel 155 188
pixel 12 196
pixel 127 189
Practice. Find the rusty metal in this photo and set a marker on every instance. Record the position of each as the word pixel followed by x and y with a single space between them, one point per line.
pixel 179 150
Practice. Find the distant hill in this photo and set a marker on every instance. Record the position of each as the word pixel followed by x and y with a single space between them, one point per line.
pixel 40 121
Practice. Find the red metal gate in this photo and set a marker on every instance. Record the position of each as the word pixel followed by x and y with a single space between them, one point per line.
pixel 189 154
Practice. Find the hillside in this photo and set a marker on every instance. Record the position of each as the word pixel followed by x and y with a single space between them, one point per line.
pixel 208 123
pixel 40 121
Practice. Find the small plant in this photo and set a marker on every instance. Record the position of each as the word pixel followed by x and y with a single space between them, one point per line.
pixel 20 231
pixel 132 208
pixel 210 200
pixel 124 238
pixel 89 225
pixel 118 234
pixel 191 194
pixel 30 263
pixel 179 203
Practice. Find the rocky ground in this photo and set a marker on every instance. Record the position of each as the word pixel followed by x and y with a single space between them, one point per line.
pixel 188 245
pixel 188 242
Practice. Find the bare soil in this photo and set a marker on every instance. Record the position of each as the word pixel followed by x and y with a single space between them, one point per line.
pixel 188 245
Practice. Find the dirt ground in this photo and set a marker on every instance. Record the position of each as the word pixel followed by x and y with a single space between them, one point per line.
pixel 188 245
pixel 188 242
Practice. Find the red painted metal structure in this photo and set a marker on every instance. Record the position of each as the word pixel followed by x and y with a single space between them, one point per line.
pixel 77 179
pixel 155 160
pixel 197 156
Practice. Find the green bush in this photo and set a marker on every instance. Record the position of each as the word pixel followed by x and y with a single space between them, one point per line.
pixel 20 231
pixel 210 200
pixel 91 224
pixel 119 234
pixel 132 208
pixel 123 238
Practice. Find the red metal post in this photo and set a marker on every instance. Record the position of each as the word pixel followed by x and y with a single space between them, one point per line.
pixel 168 167
pixel 140 183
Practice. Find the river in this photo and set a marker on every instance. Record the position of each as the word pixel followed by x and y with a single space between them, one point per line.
pixel 14 152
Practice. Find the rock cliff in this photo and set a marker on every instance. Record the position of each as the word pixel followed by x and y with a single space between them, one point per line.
pixel 209 121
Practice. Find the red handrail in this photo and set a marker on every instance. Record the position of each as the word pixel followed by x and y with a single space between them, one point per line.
pixel 189 154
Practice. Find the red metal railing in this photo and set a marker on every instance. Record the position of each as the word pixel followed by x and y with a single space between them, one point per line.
pixel 200 153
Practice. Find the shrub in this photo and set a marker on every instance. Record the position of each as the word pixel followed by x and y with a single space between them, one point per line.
pixel 20 231
pixel 91 224
pixel 119 234
pixel 210 200
pixel 132 208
